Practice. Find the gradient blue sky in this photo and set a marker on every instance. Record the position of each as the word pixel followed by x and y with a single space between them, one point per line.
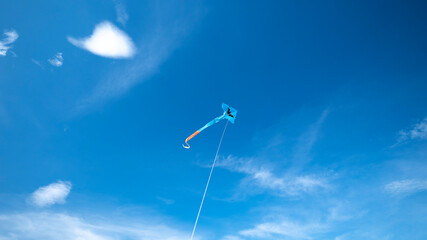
pixel 329 142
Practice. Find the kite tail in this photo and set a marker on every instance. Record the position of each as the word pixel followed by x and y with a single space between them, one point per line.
pixel 187 147
pixel 190 137
pixel 217 119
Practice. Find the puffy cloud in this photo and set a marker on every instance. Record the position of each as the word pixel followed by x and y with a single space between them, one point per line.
pixel 51 194
pixel 107 41
pixel 169 25
pixel 5 43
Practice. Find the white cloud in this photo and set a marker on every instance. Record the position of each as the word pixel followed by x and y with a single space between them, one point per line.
pixel 51 194
pixel 107 41
pixel 57 60
pixel 169 25
pixel 407 186
pixel 284 228
pixel 5 43
pixel 263 177
pixel 418 131
pixel 122 15
pixel 53 226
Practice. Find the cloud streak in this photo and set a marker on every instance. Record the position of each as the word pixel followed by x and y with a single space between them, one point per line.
pixel 407 186
pixel 6 43
pixel 54 193
pixel 265 179
pixel 302 151
pixel 284 228
pixel 107 41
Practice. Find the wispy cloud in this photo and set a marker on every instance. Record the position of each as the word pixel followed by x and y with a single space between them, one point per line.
pixel 310 219
pixel 6 42
pixel 264 178
pixel 302 152
pixel 13 53
pixel 122 15
pixel 231 237
pixel 107 41
pixel 365 234
pixel 51 194
pixel 407 186
pixel 284 228
pixel 166 201
pixel 57 60
pixel 52 226
pixel 417 131
pixel 263 175
pixel 344 211
pixel 93 223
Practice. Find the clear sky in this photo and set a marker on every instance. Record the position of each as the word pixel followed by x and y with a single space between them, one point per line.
pixel 96 98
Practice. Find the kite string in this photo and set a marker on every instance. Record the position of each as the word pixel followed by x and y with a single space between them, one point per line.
pixel 207 184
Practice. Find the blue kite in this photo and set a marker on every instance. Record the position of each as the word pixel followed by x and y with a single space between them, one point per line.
pixel 229 114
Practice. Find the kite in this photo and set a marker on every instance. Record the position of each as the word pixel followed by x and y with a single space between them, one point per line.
pixel 229 114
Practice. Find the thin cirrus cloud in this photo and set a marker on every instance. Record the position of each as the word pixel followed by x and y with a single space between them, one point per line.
pixel 106 41
pixel 54 193
pixel 6 43
pixel 283 229
pixel 407 186
pixel 57 60
pixel 166 201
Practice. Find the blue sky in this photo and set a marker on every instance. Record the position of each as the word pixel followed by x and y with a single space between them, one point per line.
pixel 97 97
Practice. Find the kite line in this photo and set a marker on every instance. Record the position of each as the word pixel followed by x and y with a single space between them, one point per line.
pixel 207 184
